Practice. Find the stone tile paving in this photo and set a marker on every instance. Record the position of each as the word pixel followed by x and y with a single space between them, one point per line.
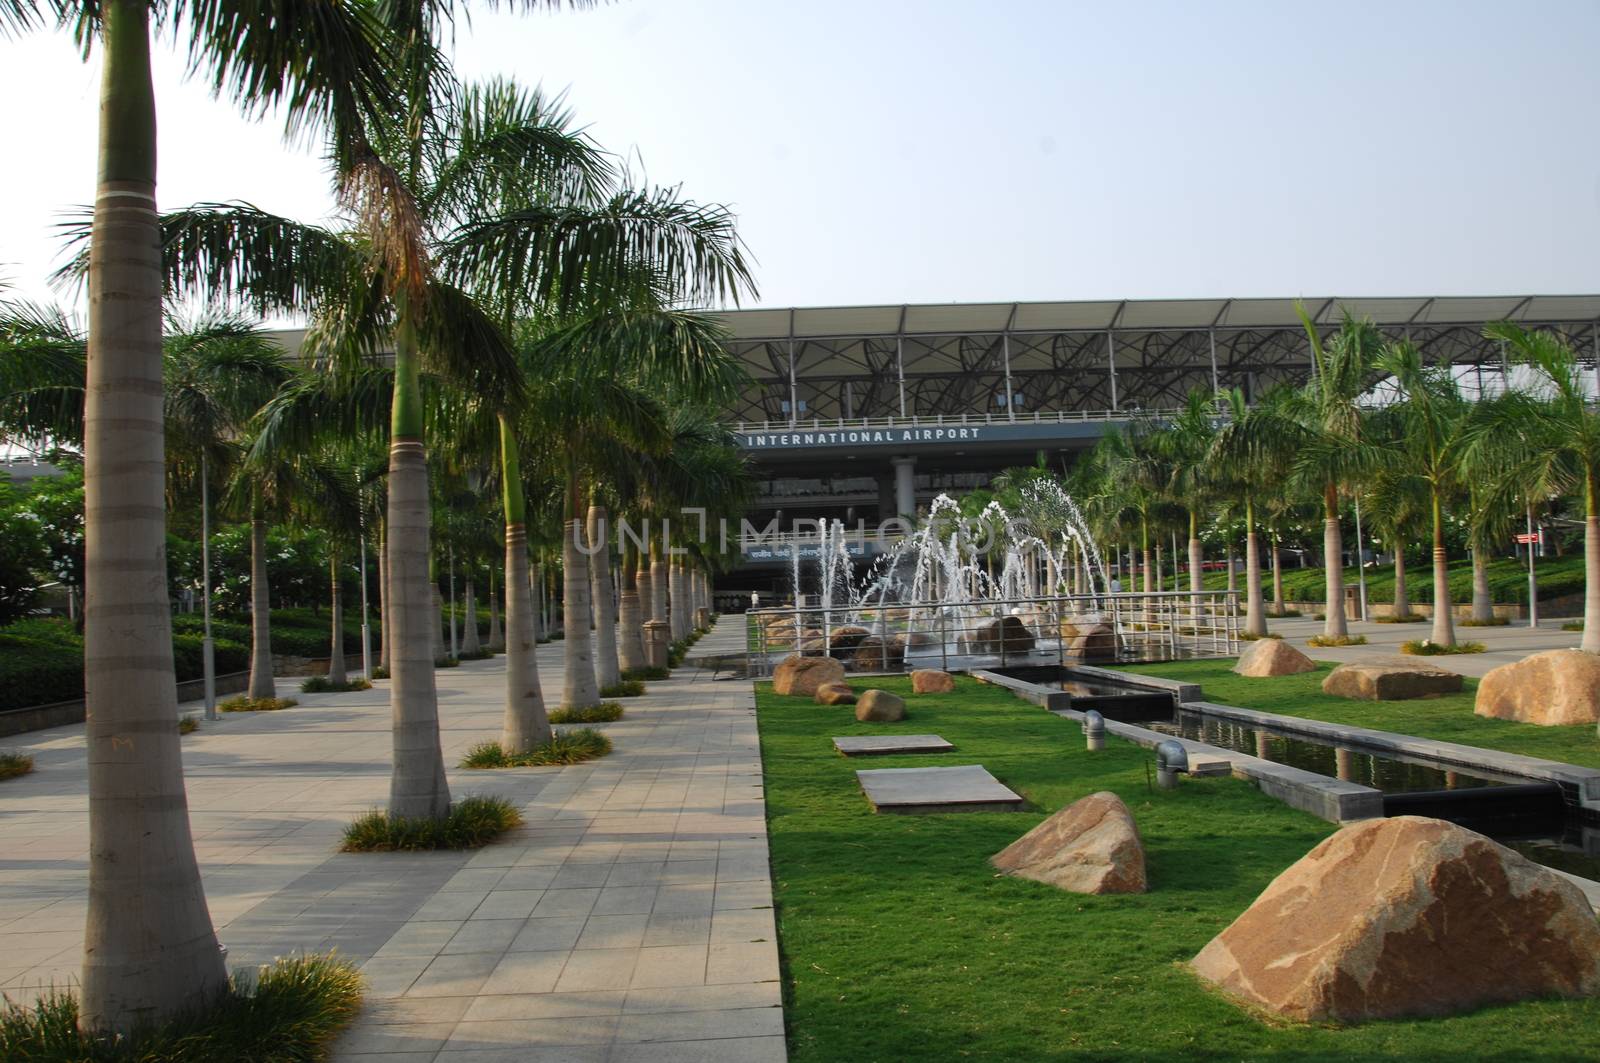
pixel 629 918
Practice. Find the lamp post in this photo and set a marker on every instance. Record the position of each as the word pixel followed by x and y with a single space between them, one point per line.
pixel 208 648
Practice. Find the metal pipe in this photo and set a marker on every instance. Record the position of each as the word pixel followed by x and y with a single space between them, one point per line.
pixel 1094 730
pixel 1172 759
pixel 208 647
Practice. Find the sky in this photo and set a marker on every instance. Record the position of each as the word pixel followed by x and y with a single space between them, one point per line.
pixel 888 151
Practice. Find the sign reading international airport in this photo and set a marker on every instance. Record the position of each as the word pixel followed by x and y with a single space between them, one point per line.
pixel 844 437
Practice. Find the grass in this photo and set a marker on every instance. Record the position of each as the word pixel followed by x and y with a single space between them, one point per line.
pixel 188 724
pixel 380 672
pixel 1447 717
pixel 472 822
pixel 604 712
pixel 564 747
pixel 627 688
pixel 1337 640
pixel 286 1012
pixel 1245 636
pixel 249 704
pixel 900 943
pixel 321 684
pixel 1508 580
pixel 647 672
pixel 447 662
pixel 1493 621
pixel 1426 648
pixel 14 764
pixel 480 655
pixel 1572 625
pixel 1409 618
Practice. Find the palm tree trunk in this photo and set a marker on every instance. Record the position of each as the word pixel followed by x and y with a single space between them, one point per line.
pixel 436 602
pixel 1197 563
pixel 470 643
pixel 261 685
pixel 641 580
pixel 384 611
pixel 1482 599
pixel 578 690
pixel 1277 577
pixel 497 639
pixel 1255 618
pixel 1444 627
pixel 630 618
pixel 149 949
pixel 336 668
pixel 607 671
pixel 1591 566
pixel 526 725
pixel 541 627
pixel 418 788
pixel 1402 597
pixel 658 589
pixel 1333 564
pixel 675 599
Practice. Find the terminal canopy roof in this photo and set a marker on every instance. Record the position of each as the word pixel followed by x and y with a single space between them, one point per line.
pixel 1146 315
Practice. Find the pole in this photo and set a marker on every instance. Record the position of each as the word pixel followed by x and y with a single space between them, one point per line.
pixel 1361 568
pixel 455 649
pixel 366 629
pixel 208 647
pixel 1533 580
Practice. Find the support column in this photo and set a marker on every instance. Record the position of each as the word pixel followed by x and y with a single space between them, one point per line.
pixel 905 487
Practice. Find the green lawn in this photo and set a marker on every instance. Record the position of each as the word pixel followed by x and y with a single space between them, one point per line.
pixel 900 943
pixel 1508 580
pixel 1448 717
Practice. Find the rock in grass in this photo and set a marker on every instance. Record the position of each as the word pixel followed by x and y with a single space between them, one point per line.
pixel 932 681
pixel 1091 846
pixel 1406 916
pixel 1550 688
pixel 880 706
pixel 835 694
pixel 1389 679
pixel 1270 657
pixel 873 654
pixel 796 675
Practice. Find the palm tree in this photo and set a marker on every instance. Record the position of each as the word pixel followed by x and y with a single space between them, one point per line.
pixel 1398 506
pixel 150 950
pixel 1250 455
pixel 1555 423
pixel 1185 444
pixel 1430 420
pixel 1329 409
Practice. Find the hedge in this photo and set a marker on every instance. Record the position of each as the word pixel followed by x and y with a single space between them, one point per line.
pixel 41 661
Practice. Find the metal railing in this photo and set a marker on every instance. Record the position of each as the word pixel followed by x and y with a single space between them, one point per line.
pixel 945 420
pixel 1059 630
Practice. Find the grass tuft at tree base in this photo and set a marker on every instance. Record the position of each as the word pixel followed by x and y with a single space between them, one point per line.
pixel 473 821
pixel 481 655
pixel 187 724
pixel 627 688
pixel 1409 618
pixel 604 712
pixel 646 673
pixel 287 1012
pixel 13 764
pixel 380 672
pixel 1493 621
pixel 1337 640
pixel 564 747
pixel 1245 636
pixel 321 684
pixel 248 704
pixel 1425 648
pixel 447 662
pixel 1572 625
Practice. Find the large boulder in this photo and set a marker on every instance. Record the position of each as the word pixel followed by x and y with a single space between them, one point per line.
pixel 1007 634
pixel 932 681
pixel 842 641
pixel 919 640
pixel 1091 846
pixel 1389 679
pixel 1269 657
pixel 1091 642
pixel 880 706
pixel 1406 916
pixel 803 675
pixel 834 694
pixel 1549 688
pixel 872 654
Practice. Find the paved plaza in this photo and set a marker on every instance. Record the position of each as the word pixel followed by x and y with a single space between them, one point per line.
pixel 629 918
pixel 1502 645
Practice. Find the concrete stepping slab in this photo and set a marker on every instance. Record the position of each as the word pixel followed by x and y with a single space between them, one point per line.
pixel 969 788
pixel 878 745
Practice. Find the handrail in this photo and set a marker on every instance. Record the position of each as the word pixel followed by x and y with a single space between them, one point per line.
pixel 939 420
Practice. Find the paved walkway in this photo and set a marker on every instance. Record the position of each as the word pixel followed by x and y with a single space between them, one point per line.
pixel 1503 644
pixel 629 918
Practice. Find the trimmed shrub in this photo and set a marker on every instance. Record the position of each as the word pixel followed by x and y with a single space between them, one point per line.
pixel 187 724
pixel 321 684
pixel 14 764
pixel 627 688
pixel 1343 640
pixel 1424 648
pixel 566 747
pixel 248 704
pixel 604 712
pixel 472 822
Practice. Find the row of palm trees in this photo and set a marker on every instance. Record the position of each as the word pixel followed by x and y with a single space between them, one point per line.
pixel 483 239
pixel 1377 424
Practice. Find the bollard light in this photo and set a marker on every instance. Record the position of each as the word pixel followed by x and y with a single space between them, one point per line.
pixel 1171 759
pixel 1094 729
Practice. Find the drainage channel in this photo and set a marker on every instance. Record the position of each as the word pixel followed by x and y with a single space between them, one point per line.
pixel 1542 818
